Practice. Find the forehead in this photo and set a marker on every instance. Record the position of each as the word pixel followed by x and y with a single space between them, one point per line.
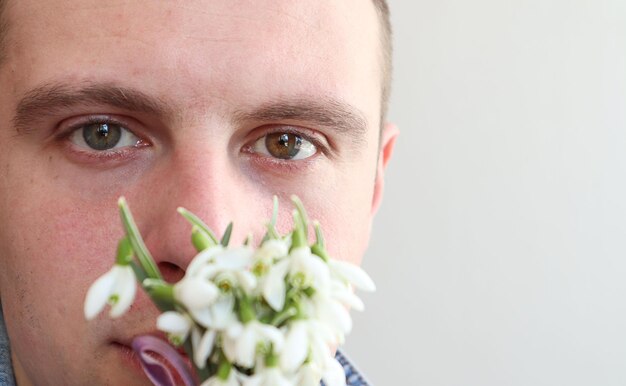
pixel 200 50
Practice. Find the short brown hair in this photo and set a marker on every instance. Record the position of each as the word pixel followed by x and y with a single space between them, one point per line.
pixel 386 40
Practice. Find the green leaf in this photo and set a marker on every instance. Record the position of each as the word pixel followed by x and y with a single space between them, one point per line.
pixel 226 237
pixel 141 251
pixel 200 239
pixel 195 220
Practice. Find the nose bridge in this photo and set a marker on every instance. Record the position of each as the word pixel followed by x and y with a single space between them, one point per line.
pixel 199 178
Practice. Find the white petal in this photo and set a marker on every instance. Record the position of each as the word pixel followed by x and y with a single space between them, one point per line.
pixel 344 294
pixel 247 280
pixel 222 312
pixel 313 267
pixel 195 293
pixel 229 345
pixel 274 248
pixel 274 285
pixel 336 315
pixel 204 348
pixel 334 374
pixel 274 377
pixel 234 259
pixel 202 258
pixel 255 380
pixel 98 294
pixel 353 274
pixel 202 316
pixel 125 289
pixel 296 347
pixel 174 323
pixel 270 333
pixel 309 375
pixel 320 351
pixel 246 346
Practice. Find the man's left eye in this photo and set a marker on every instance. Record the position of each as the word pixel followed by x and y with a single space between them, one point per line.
pixel 284 145
pixel 103 136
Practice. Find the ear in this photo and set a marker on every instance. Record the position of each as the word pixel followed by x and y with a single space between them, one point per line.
pixel 387 143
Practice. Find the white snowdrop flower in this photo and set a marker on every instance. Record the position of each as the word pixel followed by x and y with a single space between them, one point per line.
pixel 308 375
pixel 175 324
pixel 274 286
pixel 330 313
pixel 195 292
pixel 303 269
pixel 352 274
pixel 201 259
pixel 309 268
pixel 333 373
pixel 218 315
pixel 271 376
pixel 241 341
pixel 202 345
pixel 306 337
pixel 216 319
pixel 272 249
pixel 343 293
pixel 217 381
pixel 117 287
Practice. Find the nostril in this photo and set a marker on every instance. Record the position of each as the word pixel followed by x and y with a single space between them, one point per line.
pixel 172 273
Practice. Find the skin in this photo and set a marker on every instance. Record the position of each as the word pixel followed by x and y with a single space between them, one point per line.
pixel 210 65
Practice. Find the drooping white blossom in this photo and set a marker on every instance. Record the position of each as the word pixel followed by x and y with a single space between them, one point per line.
pixel 116 287
pixel 175 324
pixel 271 376
pixel 241 341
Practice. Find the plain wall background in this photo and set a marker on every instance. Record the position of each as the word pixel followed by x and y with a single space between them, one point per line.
pixel 500 248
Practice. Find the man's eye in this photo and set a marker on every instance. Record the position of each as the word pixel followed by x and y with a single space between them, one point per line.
pixel 287 146
pixel 103 136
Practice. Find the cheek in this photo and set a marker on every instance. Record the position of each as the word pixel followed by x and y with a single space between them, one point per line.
pixel 343 209
pixel 53 249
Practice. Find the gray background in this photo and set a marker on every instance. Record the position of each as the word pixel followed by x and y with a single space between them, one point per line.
pixel 500 248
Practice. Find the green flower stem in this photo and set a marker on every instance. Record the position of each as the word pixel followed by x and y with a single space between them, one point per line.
pixel 223 371
pixel 299 235
pixel 246 312
pixel 124 252
pixel 318 250
pixel 304 220
pixel 132 232
pixel 271 360
pixel 283 316
pixel 161 293
pixel 200 239
pixel 195 220
pixel 140 274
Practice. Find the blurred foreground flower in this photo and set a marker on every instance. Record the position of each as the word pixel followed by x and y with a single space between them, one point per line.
pixel 268 316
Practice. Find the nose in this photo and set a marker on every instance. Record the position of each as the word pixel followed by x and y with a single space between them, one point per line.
pixel 207 183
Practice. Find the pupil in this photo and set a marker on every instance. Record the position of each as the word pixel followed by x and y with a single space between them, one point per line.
pixel 102 136
pixel 283 145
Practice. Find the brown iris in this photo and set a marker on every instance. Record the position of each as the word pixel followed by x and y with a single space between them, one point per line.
pixel 283 145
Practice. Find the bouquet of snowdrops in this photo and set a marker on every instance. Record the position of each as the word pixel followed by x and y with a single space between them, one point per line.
pixel 264 316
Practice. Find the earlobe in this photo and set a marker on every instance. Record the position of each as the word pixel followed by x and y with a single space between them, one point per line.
pixel 387 143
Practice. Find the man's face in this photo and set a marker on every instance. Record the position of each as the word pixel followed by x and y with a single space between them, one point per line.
pixel 215 106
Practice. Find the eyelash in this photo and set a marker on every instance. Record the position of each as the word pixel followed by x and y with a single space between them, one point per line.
pixel 92 155
pixel 306 134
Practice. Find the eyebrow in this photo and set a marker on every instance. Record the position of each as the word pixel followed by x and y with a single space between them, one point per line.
pixel 330 113
pixel 54 97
